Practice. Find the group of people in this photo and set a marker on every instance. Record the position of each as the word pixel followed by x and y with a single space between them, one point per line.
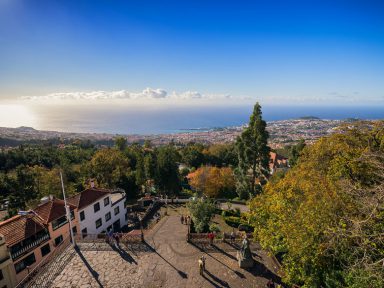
pixel 186 220
pixel 113 238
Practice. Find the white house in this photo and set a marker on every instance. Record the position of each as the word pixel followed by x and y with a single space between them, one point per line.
pixel 99 210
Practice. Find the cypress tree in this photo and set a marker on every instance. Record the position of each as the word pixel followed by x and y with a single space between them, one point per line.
pixel 253 154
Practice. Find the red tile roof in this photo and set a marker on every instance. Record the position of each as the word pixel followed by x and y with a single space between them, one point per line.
pixel 52 210
pixel 20 227
pixel 276 160
pixel 87 197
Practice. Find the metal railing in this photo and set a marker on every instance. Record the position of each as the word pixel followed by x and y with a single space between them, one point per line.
pixel 28 247
pixel 125 238
pixel 219 237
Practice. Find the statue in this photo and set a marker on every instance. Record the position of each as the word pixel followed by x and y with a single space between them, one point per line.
pixel 244 256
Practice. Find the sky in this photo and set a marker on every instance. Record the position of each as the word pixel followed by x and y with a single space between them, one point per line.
pixel 209 52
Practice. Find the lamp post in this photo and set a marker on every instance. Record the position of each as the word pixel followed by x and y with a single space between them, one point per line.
pixel 166 204
pixel 68 211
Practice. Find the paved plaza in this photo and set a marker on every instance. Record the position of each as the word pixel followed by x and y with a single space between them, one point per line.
pixel 165 260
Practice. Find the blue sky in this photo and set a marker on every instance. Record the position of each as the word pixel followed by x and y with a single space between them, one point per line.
pixel 277 52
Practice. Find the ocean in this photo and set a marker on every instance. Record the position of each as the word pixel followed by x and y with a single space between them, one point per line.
pixel 164 119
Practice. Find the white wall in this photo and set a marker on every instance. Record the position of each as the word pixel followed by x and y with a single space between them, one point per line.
pixel 121 214
pixel 90 216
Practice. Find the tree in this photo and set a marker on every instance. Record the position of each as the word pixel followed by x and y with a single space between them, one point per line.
pixel 167 177
pixel 201 211
pixel 108 166
pixel 295 152
pixel 121 143
pixel 325 217
pixel 253 154
pixel 213 181
pixel 192 155
pixel 22 189
pixel 221 155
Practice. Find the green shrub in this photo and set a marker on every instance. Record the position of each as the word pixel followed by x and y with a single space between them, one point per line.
pixel 227 213
pixel 232 221
pixel 224 213
pixel 201 211
pixel 214 228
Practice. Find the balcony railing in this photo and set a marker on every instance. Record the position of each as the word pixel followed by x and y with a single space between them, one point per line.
pixel 59 225
pixel 30 246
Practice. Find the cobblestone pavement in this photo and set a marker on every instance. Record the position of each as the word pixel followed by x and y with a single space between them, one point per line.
pixel 165 260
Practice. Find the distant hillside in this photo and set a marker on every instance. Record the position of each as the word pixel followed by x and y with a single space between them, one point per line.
pixel 309 118
pixel 25 129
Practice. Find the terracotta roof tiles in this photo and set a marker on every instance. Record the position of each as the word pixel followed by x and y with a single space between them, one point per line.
pixel 20 227
pixel 52 210
pixel 87 197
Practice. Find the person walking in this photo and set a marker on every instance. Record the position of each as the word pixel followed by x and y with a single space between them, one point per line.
pixel 110 234
pixel 211 236
pixel 233 236
pixel 201 262
pixel 182 219
pixel 116 236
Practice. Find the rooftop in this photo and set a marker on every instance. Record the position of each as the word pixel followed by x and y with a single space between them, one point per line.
pixel 117 196
pixel 87 197
pixel 52 210
pixel 20 227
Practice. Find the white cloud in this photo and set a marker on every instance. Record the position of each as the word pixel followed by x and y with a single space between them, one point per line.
pixel 147 93
pixel 188 95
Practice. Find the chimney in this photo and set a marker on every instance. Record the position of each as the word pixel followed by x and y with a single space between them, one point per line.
pixel 44 199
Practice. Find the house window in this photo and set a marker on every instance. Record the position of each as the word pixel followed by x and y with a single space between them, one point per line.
pixel 96 207
pixel 108 216
pixel 58 240
pixel 59 222
pixel 106 201
pixel 98 223
pixel 27 261
pixel 82 216
pixel 45 250
pixel 84 232
pixel 1 275
pixel 74 230
pixel 117 210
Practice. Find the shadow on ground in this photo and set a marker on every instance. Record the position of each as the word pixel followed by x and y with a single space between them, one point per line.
pixel 181 273
pixel 94 274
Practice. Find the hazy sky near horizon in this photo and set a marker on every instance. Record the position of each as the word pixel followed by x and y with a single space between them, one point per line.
pixel 277 52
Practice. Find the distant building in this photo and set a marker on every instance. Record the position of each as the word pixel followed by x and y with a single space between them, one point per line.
pixel 277 162
pixel 99 210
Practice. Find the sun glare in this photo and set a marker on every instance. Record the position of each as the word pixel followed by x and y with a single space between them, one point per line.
pixel 16 116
